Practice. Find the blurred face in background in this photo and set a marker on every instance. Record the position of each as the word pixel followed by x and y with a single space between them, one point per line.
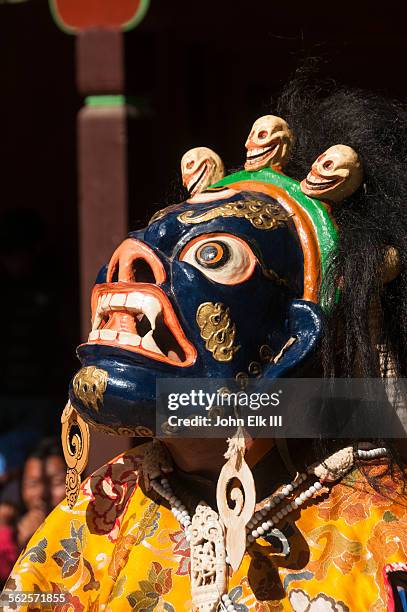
pixel 8 513
pixel 33 489
pixel 55 471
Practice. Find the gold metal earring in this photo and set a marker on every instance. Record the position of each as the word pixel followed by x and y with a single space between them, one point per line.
pixel 75 438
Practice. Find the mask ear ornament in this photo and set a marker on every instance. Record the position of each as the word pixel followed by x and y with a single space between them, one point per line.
pixel 200 167
pixel 334 175
pixel 268 144
pixel 75 444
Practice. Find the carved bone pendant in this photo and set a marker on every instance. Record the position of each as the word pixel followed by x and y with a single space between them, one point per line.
pixel 236 517
pixel 208 559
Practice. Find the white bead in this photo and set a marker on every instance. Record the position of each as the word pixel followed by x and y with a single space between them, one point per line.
pixel 265 526
pixel 183 511
pixel 230 608
pixel 318 485
pixel 308 493
pixel 303 497
pixel 312 489
pixel 255 533
pixel 227 560
pixel 260 530
pixel 225 597
pixel 290 487
pixel 294 504
pixel 298 501
pixel 270 524
pixel 285 491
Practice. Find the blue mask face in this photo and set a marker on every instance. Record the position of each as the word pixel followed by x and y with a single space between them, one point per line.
pixel 211 288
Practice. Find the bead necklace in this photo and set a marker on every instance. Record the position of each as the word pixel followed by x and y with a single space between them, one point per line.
pixel 333 469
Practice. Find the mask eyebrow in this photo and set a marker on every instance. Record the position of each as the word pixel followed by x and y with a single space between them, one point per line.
pixel 262 215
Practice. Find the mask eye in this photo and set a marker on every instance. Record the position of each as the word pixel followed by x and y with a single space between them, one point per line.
pixel 223 258
pixel 212 254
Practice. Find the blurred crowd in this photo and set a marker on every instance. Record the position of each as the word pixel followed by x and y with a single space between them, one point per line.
pixel 37 358
pixel 27 494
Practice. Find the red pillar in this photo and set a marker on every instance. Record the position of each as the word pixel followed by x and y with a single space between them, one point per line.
pixel 102 172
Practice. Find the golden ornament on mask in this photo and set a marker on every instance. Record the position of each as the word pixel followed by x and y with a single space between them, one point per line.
pixel 262 215
pixel 159 214
pixel 89 385
pixel 242 379
pixel 254 368
pixel 265 353
pixel 217 329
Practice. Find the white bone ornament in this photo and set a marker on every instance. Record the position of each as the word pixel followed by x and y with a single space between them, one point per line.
pixel 200 168
pixel 208 559
pixel 334 175
pixel 268 144
pixel 236 518
pixel 335 466
pixel 156 462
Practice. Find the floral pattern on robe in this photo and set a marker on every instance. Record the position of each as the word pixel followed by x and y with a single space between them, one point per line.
pixel 118 550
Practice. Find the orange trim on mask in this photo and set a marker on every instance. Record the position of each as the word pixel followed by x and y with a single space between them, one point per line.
pixel 304 228
pixel 129 251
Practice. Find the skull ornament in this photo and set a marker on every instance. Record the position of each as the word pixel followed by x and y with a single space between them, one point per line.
pixel 334 175
pixel 268 143
pixel 201 167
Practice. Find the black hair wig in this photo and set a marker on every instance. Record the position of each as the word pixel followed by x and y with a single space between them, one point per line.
pixel 366 332
pixel 370 221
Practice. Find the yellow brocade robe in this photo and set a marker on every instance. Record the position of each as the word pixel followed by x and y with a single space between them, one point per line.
pixel 118 550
